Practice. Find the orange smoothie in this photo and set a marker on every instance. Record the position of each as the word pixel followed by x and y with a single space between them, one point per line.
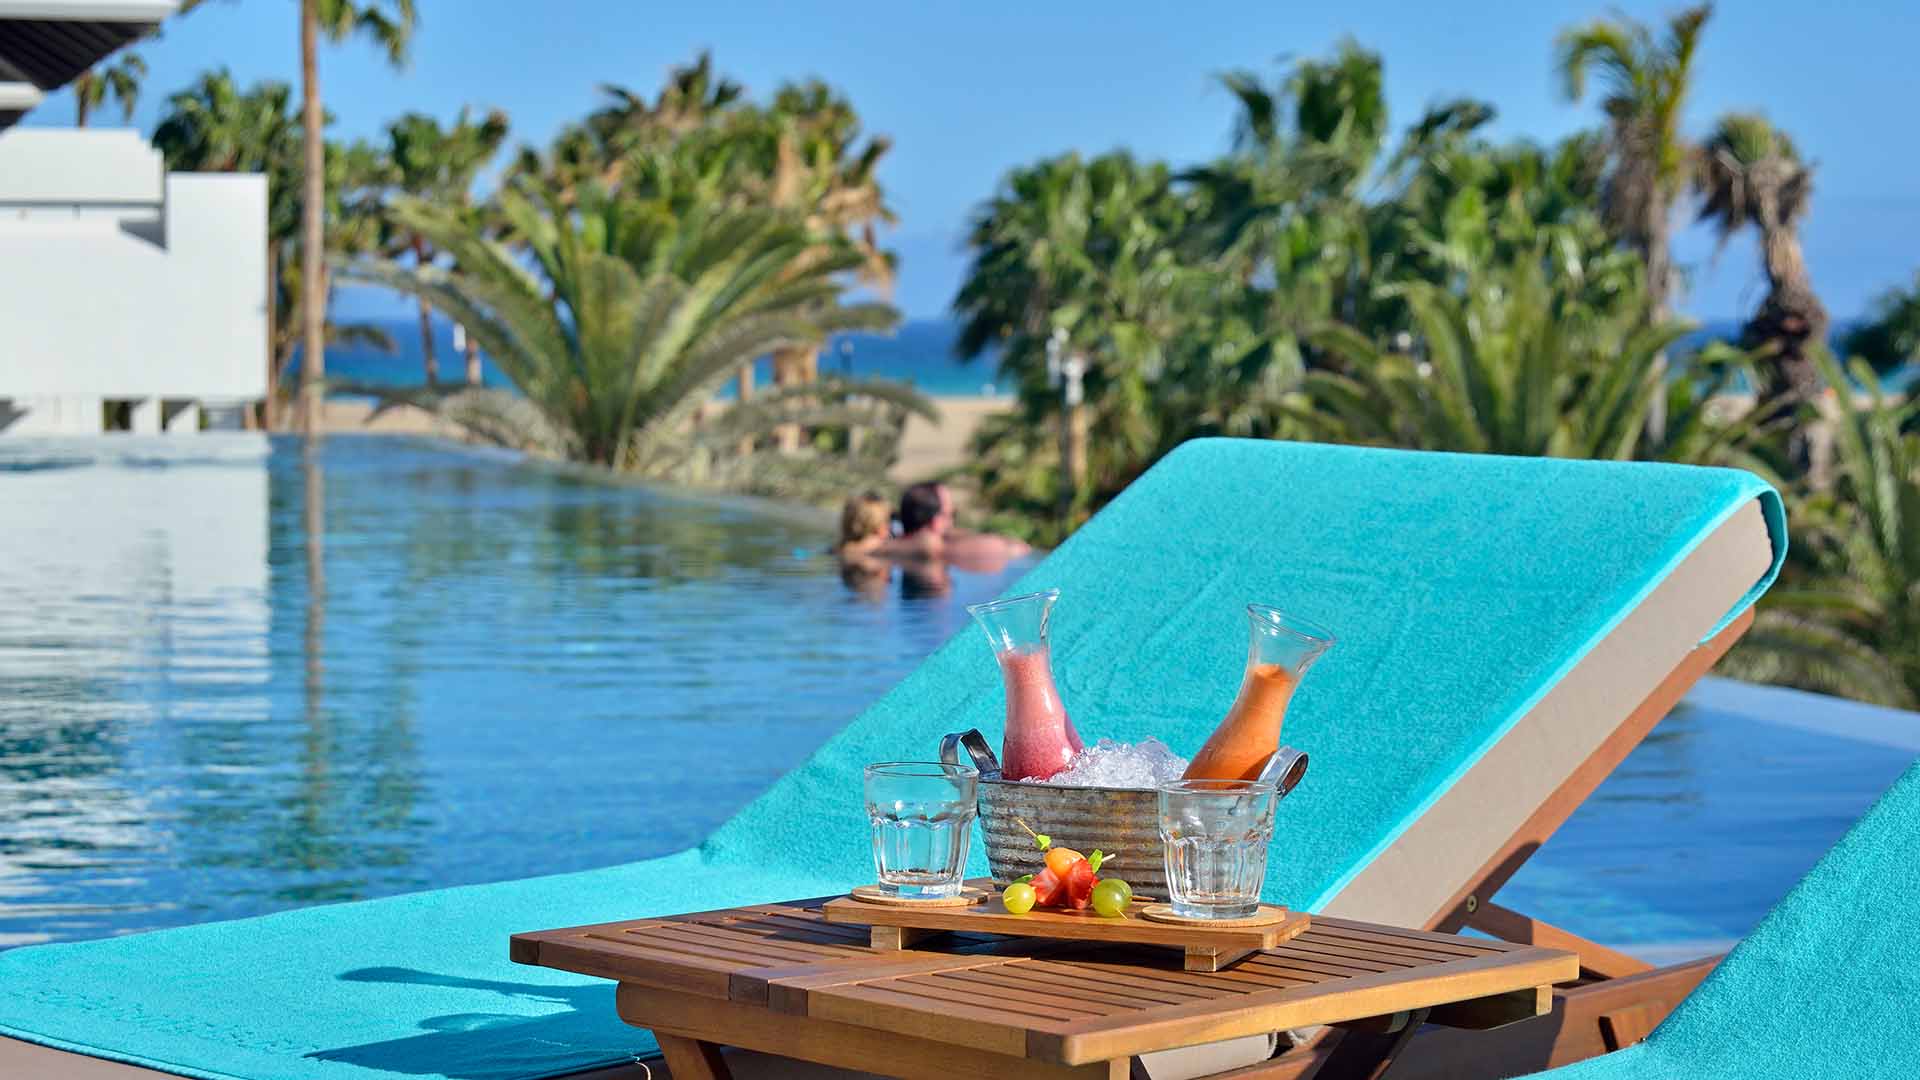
pixel 1241 745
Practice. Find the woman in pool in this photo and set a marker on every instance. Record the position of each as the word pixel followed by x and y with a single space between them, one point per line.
pixel 866 524
pixel 866 529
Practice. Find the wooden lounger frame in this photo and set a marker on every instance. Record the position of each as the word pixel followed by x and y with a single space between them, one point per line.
pixel 1618 999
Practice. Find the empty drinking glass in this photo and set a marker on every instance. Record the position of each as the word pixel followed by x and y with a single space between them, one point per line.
pixel 1215 834
pixel 922 815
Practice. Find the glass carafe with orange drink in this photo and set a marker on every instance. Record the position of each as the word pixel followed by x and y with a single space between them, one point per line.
pixel 1280 649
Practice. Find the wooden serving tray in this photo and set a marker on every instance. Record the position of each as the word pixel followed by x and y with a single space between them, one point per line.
pixel 1206 948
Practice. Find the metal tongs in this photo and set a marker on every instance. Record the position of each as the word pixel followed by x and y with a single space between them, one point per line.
pixel 980 755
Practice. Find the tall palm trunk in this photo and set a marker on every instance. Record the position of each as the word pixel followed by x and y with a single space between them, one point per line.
pixel 431 362
pixel 313 285
pixel 269 409
pixel 1790 322
pixel 1659 256
pixel 746 393
pixel 1789 319
pixel 790 368
pixel 1073 459
pixel 472 348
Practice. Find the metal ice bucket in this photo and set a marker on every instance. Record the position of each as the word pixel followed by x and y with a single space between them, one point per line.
pixel 1124 822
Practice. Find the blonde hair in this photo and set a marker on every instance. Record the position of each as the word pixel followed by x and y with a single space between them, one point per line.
pixel 864 517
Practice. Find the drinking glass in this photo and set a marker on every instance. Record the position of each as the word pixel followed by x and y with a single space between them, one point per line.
pixel 922 815
pixel 1215 835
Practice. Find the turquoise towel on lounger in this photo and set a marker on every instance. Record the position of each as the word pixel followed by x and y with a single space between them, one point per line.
pixel 1462 587
pixel 1824 987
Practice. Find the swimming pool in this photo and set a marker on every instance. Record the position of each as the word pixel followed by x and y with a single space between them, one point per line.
pixel 509 670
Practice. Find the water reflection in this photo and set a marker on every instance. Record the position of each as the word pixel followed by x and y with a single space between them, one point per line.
pixel 237 675
pixel 318 743
pixel 1723 807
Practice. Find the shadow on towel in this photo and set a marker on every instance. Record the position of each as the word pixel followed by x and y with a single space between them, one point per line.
pixel 497 1045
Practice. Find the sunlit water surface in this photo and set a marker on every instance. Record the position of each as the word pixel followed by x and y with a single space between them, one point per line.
pixel 236 678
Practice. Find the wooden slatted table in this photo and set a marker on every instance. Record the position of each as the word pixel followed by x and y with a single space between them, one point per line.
pixel 781 979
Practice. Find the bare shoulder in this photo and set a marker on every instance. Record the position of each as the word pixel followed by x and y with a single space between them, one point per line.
pixel 921 545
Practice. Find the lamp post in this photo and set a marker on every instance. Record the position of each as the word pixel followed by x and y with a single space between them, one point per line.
pixel 1067 371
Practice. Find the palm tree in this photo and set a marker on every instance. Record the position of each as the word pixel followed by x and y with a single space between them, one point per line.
pixel 1845 618
pixel 694 99
pixel 699 139
pixel 1089 250
pixel 1336 108
pixel 1889 338
pixel 1647 80
pixel 819 168
pixel 1286 203
pixel 214 126
pixel 693 95
pixel 1510 365
pixel 1749 173
pixel 118 79
pixel 632 321
pixel 389 24
pixel 438 165
pixel 1465 204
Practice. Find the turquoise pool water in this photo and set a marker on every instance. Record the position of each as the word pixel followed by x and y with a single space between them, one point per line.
pixel 507 670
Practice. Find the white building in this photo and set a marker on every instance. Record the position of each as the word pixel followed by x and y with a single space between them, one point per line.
pixel 130 298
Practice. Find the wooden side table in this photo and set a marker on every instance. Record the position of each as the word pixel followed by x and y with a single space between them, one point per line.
pixel 782 980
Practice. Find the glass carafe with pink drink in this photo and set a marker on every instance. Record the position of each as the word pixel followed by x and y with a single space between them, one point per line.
pixel 1040 740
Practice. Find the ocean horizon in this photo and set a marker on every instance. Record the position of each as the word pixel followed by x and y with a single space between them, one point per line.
pixel 920 353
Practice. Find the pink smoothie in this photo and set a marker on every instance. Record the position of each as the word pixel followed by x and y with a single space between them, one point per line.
pixel 1040 740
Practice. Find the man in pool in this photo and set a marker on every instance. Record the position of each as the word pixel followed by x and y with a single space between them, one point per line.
pixel 927 532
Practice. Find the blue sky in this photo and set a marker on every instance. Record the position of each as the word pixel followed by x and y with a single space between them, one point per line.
pixel 967 93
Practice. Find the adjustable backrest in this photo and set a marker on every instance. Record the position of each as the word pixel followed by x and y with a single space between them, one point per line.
pixel 1463 589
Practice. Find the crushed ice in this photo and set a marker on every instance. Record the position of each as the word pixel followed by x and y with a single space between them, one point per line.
pixel 1107 763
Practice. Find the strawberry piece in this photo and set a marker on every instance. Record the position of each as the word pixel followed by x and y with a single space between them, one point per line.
pixel 1080 882
pixel 1049 889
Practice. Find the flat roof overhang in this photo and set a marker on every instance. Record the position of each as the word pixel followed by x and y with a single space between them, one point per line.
pixel 45 44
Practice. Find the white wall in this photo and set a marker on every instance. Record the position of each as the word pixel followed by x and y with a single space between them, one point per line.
pixel 121 282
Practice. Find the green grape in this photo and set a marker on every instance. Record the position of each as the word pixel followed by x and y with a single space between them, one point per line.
pixel 1018 898
pixel 1111 897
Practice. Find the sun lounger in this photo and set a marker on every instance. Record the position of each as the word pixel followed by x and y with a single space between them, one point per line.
pixel 1825 986
pixel 1509 629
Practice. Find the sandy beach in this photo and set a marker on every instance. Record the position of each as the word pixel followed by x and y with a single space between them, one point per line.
pixel 349 416
pixel 927 450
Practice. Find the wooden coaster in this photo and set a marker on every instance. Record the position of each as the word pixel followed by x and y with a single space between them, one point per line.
pixel 968 896
pixel 1266 916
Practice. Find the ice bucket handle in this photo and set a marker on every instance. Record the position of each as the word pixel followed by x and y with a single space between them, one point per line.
pixel 1285 768
pixel 980 755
